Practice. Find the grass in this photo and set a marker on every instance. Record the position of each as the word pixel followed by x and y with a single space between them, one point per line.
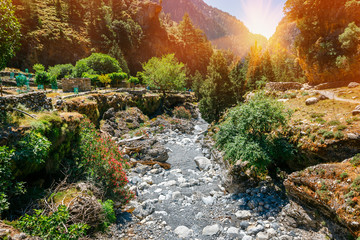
pixel 334 123
pixel 355 161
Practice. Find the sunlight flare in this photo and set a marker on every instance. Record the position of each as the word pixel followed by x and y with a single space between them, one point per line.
pixel 261 17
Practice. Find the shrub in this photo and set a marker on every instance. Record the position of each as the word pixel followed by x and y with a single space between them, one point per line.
pixel 182 112
pixel 105 79
pixel 42 78
pixel 38 68
pixel 119 76
pixel 317 115
pixel 320 120
pixel 252 132
pixel 356 184
pixel 355 161
pixel 33 148
pixel 93 77
pixel 334 123
pixel 20 80
pixel 341 127
pixel 329 135
pixel 54 226
pixel 8 186
pixel 134 80
pixel 338 135
pixel 61 70
pixel 103 163
pixel 109 212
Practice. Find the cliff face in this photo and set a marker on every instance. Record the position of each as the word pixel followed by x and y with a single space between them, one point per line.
pixel 285 36
pixel 222 29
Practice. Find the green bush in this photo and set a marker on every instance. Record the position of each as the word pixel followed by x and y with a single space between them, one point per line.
pixel 42 78
pixel 38 68
pixel 334 123
pixel 134 80
pixel 60 71
pixel 329 135
pixel 31 153
pixel 97 63
pixel 118 76
pixel 339 135
pixel 253 132
pixel 355 161
pixel 93 77
pixel 105 79
pixel 54 226
pixel 182 112
pixel 20 80
pixel 110 216
pixel 8 186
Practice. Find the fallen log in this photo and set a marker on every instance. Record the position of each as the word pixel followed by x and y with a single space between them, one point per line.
pixel 165 166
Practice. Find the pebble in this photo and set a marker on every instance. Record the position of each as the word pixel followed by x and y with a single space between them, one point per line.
pixel 211 230
pixel 183 232
pixel 243 214
pixel 208 200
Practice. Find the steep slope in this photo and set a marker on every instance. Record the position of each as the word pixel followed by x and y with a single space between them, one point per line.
pixel 285 35
pixel 222 29
pixel 64 31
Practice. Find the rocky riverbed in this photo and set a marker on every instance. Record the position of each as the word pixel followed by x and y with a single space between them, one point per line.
pixel 189 201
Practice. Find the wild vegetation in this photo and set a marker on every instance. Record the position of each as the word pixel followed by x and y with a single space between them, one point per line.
pixel 112 42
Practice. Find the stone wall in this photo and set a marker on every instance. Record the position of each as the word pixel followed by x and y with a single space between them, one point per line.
pixel 283 86
pixel 34 101
pixel 83 84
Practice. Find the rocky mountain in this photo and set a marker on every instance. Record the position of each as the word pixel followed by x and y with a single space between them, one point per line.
pixel 222 29
pixel 284 36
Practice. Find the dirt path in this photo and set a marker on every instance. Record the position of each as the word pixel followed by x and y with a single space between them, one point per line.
pixel 332 95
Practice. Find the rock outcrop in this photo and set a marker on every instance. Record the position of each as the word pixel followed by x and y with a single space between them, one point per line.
pixel 333 189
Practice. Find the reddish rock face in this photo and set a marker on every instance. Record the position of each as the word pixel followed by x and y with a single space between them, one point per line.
pixel 332 188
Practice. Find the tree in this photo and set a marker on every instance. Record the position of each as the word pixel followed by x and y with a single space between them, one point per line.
pixel 9 32
pixel 165 73
pixel 97 63
pixel 322 54
pixel 105 79
pixel 238 80
pixel 253 132
pixel 42 78
pixel 133 81
pixel 194 48
pixel 217 89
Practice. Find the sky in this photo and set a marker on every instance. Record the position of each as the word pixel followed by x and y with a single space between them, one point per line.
pixel 260 16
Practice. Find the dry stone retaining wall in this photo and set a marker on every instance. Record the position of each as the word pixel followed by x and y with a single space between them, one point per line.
pixel 83 84
pixel 283 86
pixel 34 101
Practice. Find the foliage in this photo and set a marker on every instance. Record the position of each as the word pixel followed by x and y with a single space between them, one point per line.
pixel 237 77
pixel 20 80
pixel 216 92
pixel 194 48
pixel 110 216
pixel 103 163
pixel 32 148
pixel 105 79
pixel 134 80
pixel 253 132
pixel 119 76
pixel 54 226
pixel 327 50
pixel 355 161
pixel 61 71
pixel 97 63
pixel 42 78
pixel 9 32
pixel 165 73
pixel 93 77
pixel 182 112
pixel 38 68
pixel 8 186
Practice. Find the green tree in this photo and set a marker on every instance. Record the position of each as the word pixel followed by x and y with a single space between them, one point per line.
pixel 38 68
pixel 165 73
pixel 43 78
pixel 253 132
pixel 97 63
pixel 61 70
pixel 195 49
pixel 238 79
pixel 9 32
pixel 323 39
pixel 217 90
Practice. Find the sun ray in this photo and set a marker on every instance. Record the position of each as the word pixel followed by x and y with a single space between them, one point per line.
pixel 261 16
